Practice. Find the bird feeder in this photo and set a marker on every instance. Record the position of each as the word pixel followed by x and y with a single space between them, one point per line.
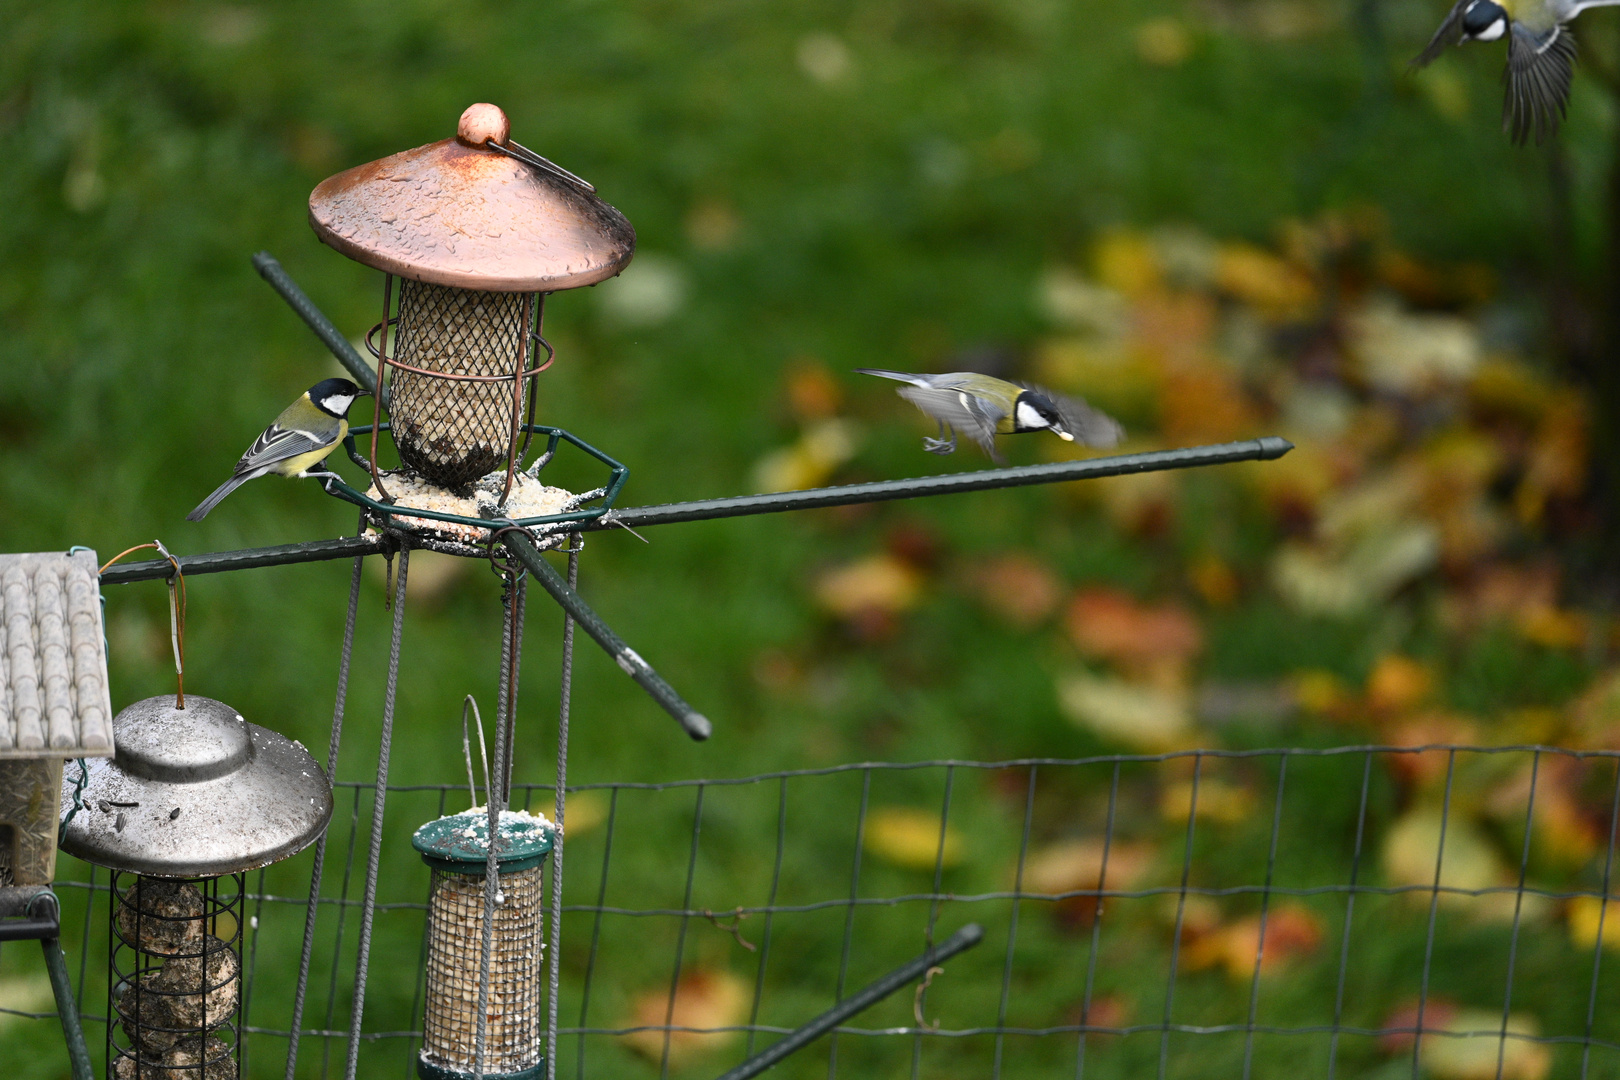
pixel 478 230
pixel 193 799
pixel 457 850
pixel 53 700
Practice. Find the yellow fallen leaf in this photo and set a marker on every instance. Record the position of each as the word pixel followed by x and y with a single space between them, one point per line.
pixel 909 837
pixel 1277 287
pixel 1408 353
pixel 1291 931
pixel 1164 42
pixel 25 993
pixel 1072 865
pixel 1219 801
pixel 1585 912
pixel 704 999
pixel 809 462
pixel 1126 262
pixel 1474 1057
pixel 880 582
pixel 584 811
pixel 1136 714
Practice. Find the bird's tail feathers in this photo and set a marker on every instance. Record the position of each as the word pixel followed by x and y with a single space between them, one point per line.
pixel 219 493
pixel 897 376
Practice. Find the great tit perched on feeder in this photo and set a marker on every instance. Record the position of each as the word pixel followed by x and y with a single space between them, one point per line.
pixel 981 407
pixel 1540 61
pixel 297 441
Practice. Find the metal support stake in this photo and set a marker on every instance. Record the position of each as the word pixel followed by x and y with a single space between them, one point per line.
pixel 368 906
pixel 964 939
pixel 696 724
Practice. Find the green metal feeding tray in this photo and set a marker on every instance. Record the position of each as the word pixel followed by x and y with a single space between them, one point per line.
pixel 389 515
pixel 461 947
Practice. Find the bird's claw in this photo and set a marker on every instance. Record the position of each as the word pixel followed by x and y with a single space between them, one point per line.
pixel 939 446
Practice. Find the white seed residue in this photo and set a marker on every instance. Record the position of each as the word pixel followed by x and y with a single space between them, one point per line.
pixel 530 498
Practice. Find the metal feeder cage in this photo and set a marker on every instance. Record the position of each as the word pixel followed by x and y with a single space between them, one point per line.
pixel 478 228
pixel 193 799
pixel 457 850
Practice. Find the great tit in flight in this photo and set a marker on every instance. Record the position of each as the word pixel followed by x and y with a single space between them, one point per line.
pixel 981 407
pixel 297 441
pixel 1541 55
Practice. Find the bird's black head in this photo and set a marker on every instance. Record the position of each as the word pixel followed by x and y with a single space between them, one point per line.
pixel 334 396
pixel 1484 20
pixel 1035 411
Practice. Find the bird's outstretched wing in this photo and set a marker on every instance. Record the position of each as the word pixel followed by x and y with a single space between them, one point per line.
pixel 1539 71
pixel 275 445
pixel 959 410
pixel 1088 425
pixel 1449 34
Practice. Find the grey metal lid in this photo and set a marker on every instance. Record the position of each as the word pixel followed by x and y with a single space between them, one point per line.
pixel 194 792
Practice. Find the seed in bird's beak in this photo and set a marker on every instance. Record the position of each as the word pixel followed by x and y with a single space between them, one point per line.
pixel 1065 436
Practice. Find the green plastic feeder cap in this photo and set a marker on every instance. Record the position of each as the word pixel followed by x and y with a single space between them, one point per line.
pixel 459 844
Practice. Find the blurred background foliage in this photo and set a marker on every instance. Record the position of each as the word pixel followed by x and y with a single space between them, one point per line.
pixel 1217 219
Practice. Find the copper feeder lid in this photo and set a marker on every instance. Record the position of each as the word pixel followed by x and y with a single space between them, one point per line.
pixel 459 213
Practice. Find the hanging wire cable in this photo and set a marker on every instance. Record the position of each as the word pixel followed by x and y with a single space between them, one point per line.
pixel 368 905
pixel 563 708
pixel 332 746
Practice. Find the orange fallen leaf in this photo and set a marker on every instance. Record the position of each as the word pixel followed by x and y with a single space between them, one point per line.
pixel 1290 932
pixel 1278 288
pixel 812 391
pixel 1214 579
pixel 1113 625
pixel 1398 684
pixel 1076 866
pixel 704 1000
pixel 1018 588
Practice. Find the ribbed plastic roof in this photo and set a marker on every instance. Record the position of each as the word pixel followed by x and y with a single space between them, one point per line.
pixel 53 681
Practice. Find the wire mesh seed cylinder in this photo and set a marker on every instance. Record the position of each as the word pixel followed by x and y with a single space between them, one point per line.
pixel 455 848
pixel 174 973
pixel 459 423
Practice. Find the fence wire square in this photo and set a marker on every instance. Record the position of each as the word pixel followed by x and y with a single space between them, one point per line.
pixel 1177 915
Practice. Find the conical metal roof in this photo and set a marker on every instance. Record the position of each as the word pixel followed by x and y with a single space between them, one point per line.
pixel 463 213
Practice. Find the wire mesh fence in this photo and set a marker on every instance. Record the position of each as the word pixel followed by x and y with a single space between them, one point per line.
pixel 1332 912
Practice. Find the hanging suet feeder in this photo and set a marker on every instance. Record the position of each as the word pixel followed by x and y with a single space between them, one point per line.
pixel 457 850
pixel 193 799
pixel 478 229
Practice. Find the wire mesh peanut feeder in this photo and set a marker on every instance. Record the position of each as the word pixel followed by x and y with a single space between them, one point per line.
pixel 478 229
pixel 192 800
pixel 457 850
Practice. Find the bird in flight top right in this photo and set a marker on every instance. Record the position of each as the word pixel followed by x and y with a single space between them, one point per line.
pixel 1540 60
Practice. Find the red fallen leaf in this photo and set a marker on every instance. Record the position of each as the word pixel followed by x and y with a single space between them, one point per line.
pixel 1105 1011
pixel 1113 625
pixel 1437 1014
pixel 1018 588
pixel 703 999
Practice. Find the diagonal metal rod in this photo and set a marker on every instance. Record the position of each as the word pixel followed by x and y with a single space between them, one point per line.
pixel 696 724
pixel 1266 449
pixel 330 336
pixel 964 939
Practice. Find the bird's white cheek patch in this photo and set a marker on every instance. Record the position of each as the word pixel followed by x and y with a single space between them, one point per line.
pixel 1028 417
pixel 1492 32
pixel 339 404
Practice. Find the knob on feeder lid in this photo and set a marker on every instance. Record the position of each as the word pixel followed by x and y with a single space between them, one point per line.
pixel 464 213
pixel 194 792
